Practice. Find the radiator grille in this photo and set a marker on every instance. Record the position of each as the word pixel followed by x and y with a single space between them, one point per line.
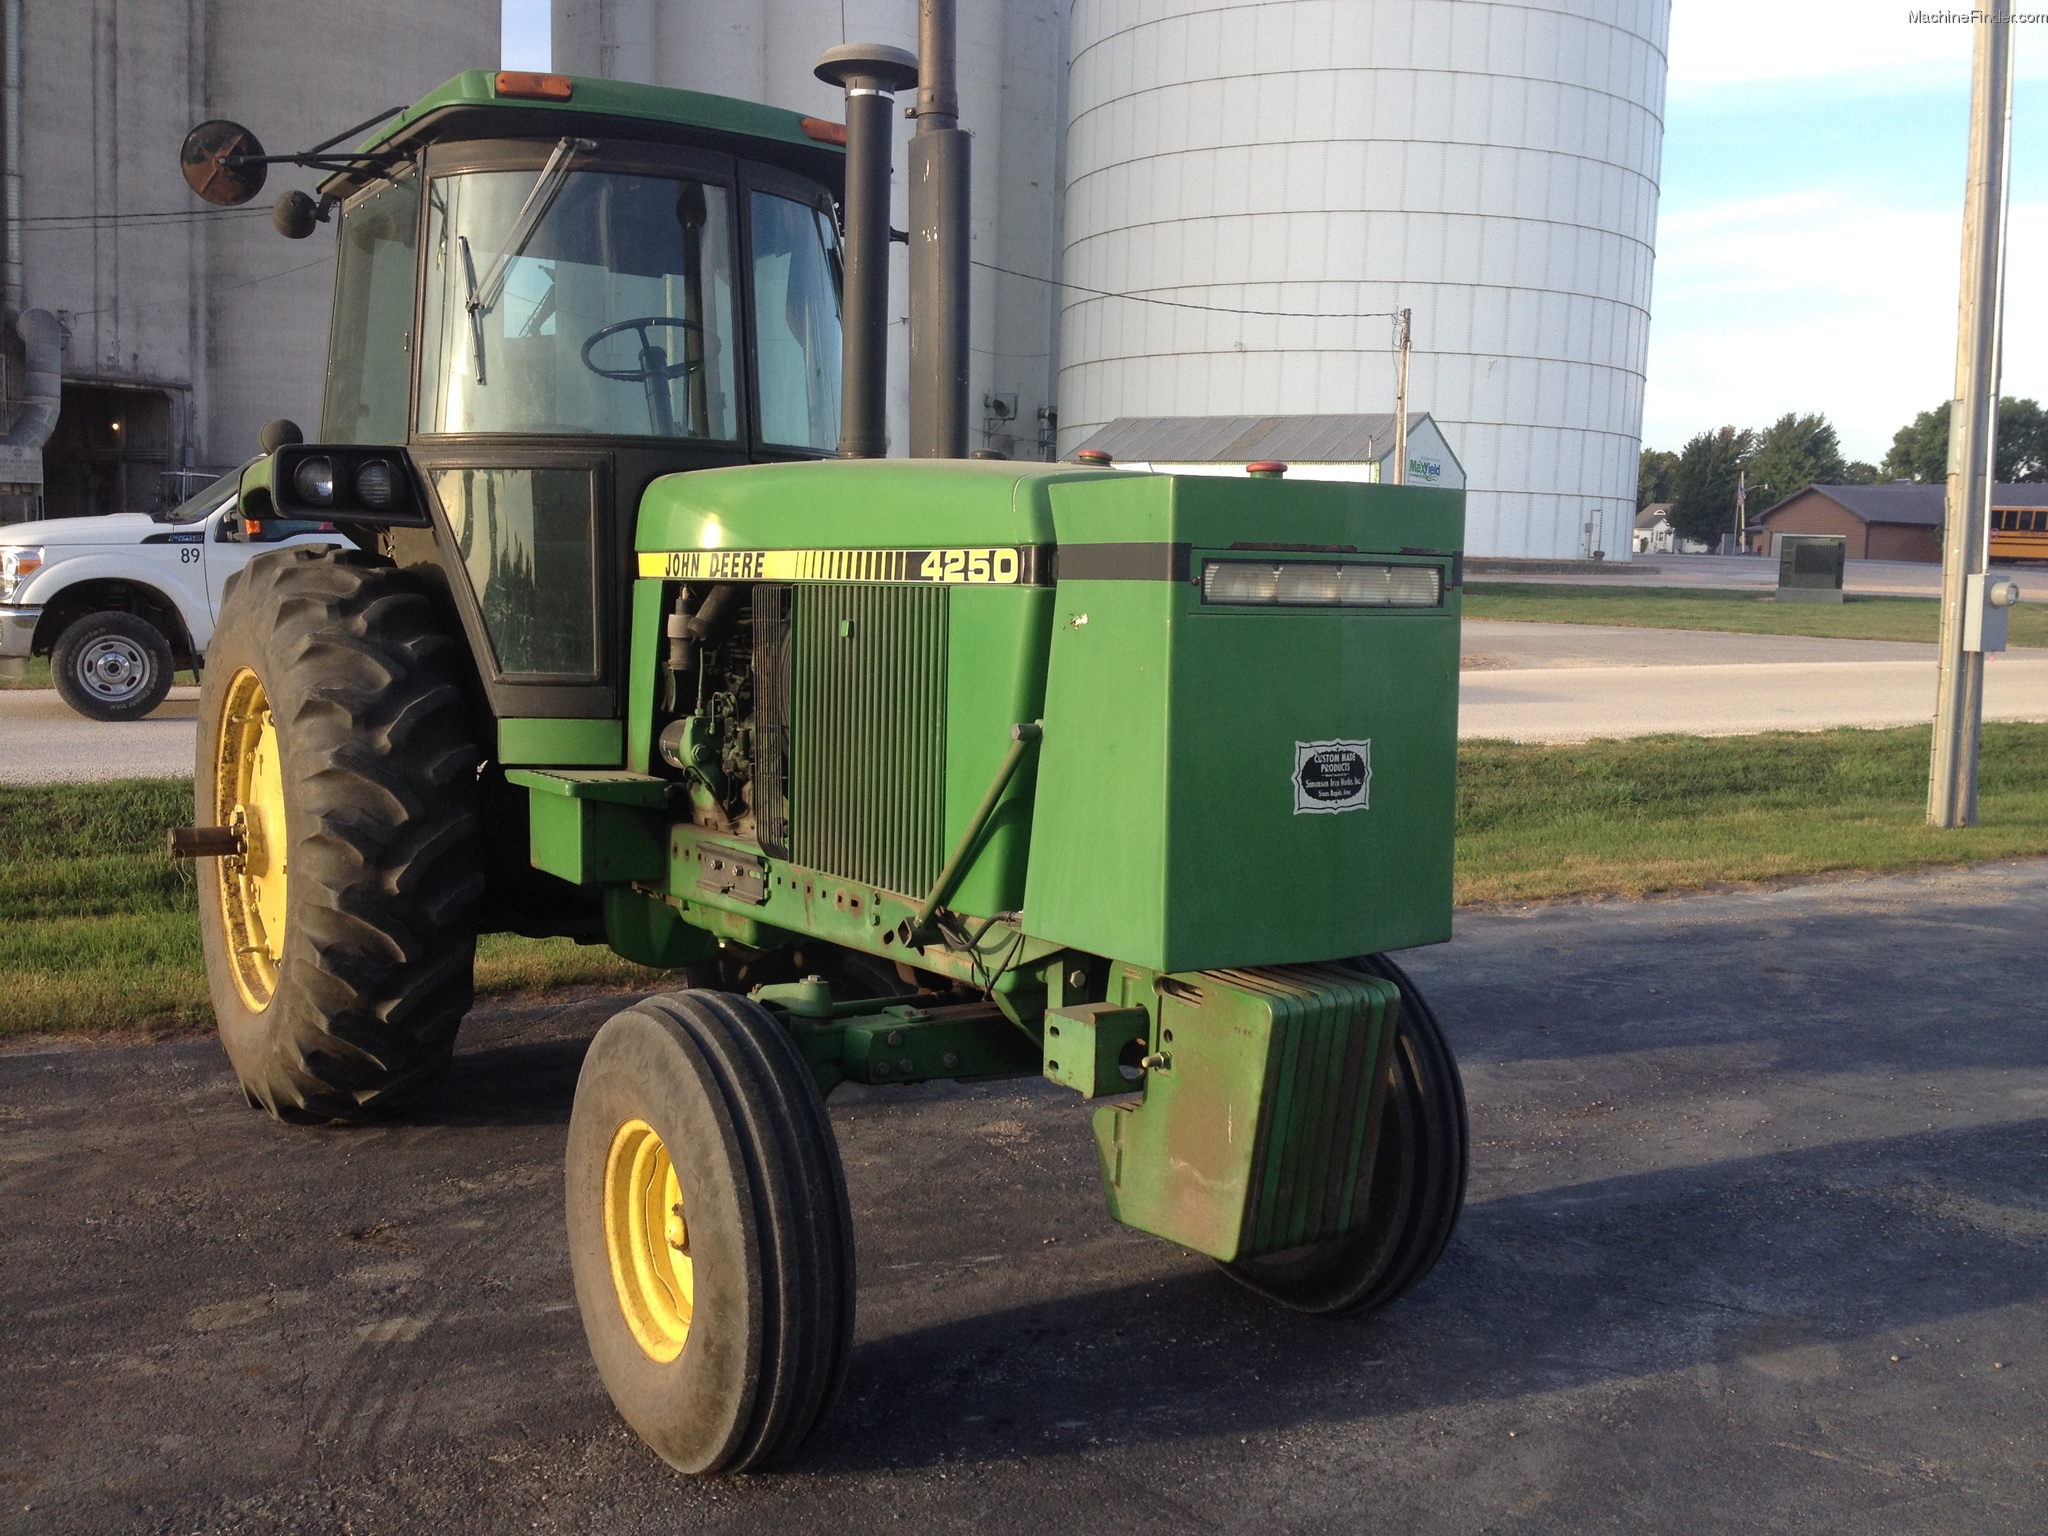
pixel 867 733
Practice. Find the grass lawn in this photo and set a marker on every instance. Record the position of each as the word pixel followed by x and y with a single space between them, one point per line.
pixel 38 674
pixel 1671 813
pixel 1855 618
pixel 99 929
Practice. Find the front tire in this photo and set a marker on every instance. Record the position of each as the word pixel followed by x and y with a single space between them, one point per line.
pixel 111 666
pixel 709 1231
pixel 341 944
pixel 1417 1187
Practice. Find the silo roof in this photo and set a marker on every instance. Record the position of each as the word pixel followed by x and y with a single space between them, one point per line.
pixel 1243 439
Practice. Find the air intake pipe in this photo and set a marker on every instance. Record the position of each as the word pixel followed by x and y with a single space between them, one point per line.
pixel 42 391
pixel 871 74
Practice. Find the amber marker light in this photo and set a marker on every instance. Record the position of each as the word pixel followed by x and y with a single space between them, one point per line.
pixel 525 86
pixel 824 132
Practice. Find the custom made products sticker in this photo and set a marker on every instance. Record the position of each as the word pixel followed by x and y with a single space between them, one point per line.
pixel 1331 776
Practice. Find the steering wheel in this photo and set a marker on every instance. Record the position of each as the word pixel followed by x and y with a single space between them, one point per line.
pixel 654 364
pixel 655 370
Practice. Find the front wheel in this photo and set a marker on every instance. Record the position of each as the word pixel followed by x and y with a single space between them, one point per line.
pixel 1417 1189
pixel 709 1231
pixel 111 666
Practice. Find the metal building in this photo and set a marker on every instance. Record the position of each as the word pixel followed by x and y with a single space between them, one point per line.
pixel 1490 164
pixel 1012 73
pixel 185 327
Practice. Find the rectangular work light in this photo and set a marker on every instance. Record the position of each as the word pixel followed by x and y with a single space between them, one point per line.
pixel 1321 584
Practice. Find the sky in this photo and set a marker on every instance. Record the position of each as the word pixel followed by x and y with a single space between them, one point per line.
pixel 1810 227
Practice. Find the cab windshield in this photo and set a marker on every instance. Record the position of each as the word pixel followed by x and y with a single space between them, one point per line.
pixel 612 312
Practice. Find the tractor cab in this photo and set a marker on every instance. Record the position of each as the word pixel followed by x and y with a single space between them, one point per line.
pixel 548 292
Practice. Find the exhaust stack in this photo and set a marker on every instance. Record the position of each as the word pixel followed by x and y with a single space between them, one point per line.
pixel 871 74
pixel 939 204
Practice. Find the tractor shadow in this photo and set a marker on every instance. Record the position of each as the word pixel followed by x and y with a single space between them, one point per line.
pixel 1794 1266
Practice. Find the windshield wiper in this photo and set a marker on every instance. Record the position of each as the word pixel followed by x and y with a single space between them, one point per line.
pixel 475 306
pixel 483 294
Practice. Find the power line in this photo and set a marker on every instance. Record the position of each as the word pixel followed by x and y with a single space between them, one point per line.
pixel 267 277
pixel 61 221
pixel 1214 309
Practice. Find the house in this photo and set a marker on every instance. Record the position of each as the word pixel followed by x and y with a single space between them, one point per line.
pixel 1356 448
pixel 1653 534
pixel 1900 521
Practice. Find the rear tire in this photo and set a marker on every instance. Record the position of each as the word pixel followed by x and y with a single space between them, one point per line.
pixel 1417 1187
pixel 748 1363
pixel 111 666
pixel 331 705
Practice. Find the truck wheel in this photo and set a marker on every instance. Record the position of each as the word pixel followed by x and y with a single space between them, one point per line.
pixel 111 666
pixel 1417 1186
pixel 340 944
pixel 709 1231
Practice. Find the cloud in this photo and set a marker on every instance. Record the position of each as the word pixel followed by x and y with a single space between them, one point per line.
pixel 1846 47
pixel 1823 301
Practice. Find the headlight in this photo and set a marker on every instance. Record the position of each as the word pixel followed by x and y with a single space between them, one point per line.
pixel 315 481
pixel 373 485
pixel 18 562
pixel 1320 584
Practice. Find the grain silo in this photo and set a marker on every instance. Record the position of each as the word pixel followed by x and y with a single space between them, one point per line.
pixel 1490 164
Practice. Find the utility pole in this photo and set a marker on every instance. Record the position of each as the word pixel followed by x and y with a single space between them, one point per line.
pixel 1741 507
pixel 1401 398
pixel 1973 427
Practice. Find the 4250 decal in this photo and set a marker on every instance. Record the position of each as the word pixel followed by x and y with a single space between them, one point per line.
pixel 999 566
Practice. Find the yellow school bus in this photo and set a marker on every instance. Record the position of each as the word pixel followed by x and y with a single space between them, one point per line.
pixel 2019 533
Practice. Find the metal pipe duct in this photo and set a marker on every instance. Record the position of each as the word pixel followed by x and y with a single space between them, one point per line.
pixel 939 203
pixel 10 153
pixel 42 390
pixel 871 74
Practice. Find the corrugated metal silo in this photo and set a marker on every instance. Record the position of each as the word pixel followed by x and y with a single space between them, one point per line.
pixel 1491 164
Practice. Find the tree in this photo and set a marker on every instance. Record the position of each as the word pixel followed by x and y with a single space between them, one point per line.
pixel 1703 487
pixel 1790 454
pixel 1920 448
pixel 1857 472
pixel 1654 475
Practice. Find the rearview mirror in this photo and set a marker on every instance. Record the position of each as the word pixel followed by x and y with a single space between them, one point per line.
pixel 223 162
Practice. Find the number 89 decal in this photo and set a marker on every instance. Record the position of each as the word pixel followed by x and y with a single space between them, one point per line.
pixel 970 566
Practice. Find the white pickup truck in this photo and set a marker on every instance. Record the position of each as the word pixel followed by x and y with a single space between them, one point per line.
pixel 119 603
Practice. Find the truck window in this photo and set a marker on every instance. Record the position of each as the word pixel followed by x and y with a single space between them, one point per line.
pixel 796 320
pixel 611 314
pixel 369 360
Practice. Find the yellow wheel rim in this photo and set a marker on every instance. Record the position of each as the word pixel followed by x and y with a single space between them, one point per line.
pixel 648 1241
pixel 248 795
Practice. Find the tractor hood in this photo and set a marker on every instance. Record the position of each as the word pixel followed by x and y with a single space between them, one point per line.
pixel 78 532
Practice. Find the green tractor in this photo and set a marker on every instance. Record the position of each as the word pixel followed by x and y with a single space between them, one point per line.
pixel 928 769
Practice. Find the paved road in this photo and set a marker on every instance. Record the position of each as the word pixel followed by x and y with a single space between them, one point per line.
pixel 1523 682
pixel 43 742
pixel 1569 682
pixel 1757 1238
